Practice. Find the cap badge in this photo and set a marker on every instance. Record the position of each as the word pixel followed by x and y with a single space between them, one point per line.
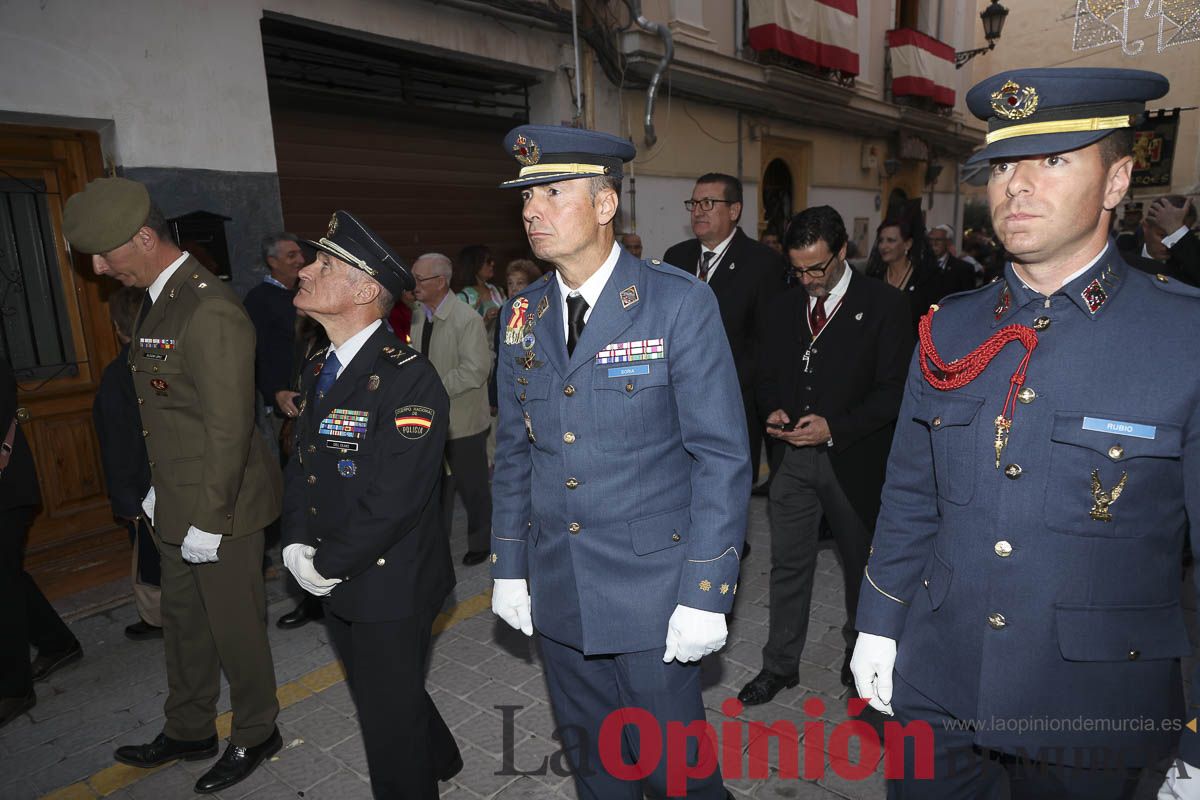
pixel 332 227
pixel 526 151
pixel 1014 102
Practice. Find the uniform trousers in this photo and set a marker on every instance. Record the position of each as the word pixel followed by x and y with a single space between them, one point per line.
pixel 468 461
pixel 964 770
pixel 803 488
pixel 27 618
pixel 215 618
pixel 585 690
pixel 407 742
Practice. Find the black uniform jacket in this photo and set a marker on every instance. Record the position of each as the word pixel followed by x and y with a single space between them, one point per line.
pixel 363 485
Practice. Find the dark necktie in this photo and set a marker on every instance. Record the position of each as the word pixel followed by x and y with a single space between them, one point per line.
pixel 426 335
pixel 328 375
pixel 706 261
pixel 816 316
pixel 576 308
pixel 145 312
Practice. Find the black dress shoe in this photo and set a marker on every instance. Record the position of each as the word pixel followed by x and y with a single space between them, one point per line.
pixel 764 687
pixel 46 664
pixel 13 707
pixel 450 770
pixel 847 675
pixel 474 557
pixel 237 763
pixel 762 490
pixel 141 630
pixel 309 609
pixel 164 749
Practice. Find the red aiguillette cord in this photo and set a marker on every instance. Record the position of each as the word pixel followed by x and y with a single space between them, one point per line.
pixel 961 371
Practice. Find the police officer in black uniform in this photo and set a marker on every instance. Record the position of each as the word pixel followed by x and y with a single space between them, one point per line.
pixel 361 517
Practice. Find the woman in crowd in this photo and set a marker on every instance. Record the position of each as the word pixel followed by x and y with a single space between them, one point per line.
pixel 903 258
pixel 520 273
pixel 473 270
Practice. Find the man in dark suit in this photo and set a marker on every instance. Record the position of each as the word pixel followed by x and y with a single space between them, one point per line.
pixel 831 375
pixel 362 521
pixel 1170 220
pixel 957 275
pixel 741 272
pixel 27 618
pixel 214 484
pixel 126 466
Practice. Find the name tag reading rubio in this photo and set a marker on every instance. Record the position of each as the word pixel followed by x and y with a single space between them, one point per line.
pixel 621 352
pixel 413 422
pixel 1119 428
pixel 344 424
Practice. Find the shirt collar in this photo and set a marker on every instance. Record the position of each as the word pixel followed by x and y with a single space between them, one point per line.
pixel 593 286
pixel 1102 271
pixel 720 248
pixel 437 312
pixel 271 279
pixel 160 282
pixel 350 347
pixel 837 292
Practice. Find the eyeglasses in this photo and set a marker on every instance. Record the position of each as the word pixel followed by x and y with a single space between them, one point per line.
pixel 706 203
pixel 816 272
pixel 429 278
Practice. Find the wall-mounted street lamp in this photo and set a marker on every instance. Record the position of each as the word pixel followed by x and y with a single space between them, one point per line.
pixel 993 23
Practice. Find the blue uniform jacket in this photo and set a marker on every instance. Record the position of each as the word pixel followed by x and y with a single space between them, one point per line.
pixel 621 482
pixel 1009 600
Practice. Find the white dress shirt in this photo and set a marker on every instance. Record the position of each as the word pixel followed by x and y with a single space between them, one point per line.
pixel 351 346
pixel 590 289
pixel 160 282
pixel 835 294
pixel 1070 277
pixel 719 253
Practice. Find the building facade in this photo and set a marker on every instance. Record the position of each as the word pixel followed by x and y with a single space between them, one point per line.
pixel 256 115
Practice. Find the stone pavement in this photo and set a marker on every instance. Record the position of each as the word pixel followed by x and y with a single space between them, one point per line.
pixel 63 747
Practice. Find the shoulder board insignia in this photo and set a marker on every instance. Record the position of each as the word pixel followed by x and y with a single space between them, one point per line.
pixel 401 358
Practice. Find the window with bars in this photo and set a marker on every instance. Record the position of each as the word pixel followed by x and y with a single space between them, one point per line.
pixel 35 334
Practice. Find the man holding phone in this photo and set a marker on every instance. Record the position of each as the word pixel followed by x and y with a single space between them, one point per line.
pixel 830 384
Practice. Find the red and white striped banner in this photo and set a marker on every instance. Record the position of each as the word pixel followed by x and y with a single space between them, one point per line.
pixel 821 32
pixel 921 65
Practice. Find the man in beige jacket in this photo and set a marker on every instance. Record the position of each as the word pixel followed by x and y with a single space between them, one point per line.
pixel 214 487
pixel 451 335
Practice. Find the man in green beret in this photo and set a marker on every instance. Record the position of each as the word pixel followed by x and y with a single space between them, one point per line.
pixel 192 359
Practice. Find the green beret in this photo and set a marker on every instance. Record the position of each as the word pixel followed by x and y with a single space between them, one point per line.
pixel 105 215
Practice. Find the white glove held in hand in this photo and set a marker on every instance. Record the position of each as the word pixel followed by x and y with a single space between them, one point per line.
pixel 872 663
pixel 298 558
pixel 1180 785
pixel 693 634
pixel 148 505
pixel 200 547
pixel 511 603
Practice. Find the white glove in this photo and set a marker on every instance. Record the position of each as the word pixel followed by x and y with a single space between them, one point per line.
pixel 511 603
pixel 693 634
pixel 872 663
pixel 200 547
pixel 148 505
pixel 298 558
pixel 1179 785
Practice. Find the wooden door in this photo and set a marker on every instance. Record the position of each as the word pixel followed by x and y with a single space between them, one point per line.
pixel 54 328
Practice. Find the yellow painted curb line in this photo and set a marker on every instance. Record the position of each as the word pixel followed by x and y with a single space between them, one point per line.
pixel 119 776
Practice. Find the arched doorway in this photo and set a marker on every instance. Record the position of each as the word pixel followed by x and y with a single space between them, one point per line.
pixel 777 194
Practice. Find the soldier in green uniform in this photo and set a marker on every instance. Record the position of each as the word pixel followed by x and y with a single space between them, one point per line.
pixel 192 359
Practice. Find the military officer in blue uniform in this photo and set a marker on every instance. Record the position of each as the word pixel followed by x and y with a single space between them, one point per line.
pixel 1023 594
pixel 622 469
pixel 361 505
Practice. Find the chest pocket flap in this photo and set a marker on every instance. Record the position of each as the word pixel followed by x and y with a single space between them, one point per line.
pixel 535 387
pixel 629 379
pixel 1167 441
pixel 1121 633
pixel 949 417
